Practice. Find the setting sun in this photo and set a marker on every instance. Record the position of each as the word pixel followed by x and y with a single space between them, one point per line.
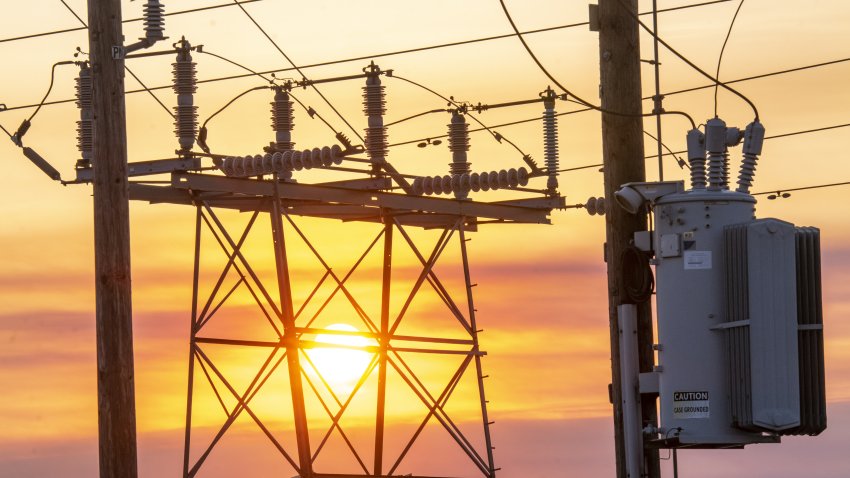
pixel 338 362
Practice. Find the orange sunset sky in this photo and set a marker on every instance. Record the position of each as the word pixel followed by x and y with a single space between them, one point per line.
pixel 542 289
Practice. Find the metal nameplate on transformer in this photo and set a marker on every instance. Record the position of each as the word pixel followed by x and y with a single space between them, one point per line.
pixel 690 405
pixel 696 260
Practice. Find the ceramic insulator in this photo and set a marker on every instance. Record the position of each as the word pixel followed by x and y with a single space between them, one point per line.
pixel 186 113
pixel 154 20
pixel 550 143
pixel 85 127
pixel 715 143
pixel 282 121
pixel 374 106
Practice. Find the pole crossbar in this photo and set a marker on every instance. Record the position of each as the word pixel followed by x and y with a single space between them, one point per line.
pixel 293 342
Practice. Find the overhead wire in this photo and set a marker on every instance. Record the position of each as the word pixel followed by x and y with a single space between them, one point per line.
pixel 757 77
pixel 498 137
pixel 417 115
pixel 779 192
pixel 310 111
pixel 235 63
pixel 233 100
pixel 74 13
pixel 681 162
pixel 671 93
pixel 579 168
pixel 6 131
pixel 129 20
pixel 545 71
pixel 298 69
pixel 807 131
pixel 686 60
pixel 720 57
pixel 661 144
pixel 400 52
pixel 144 86
pixel 49 87
pixel 784 135
pixel 588 166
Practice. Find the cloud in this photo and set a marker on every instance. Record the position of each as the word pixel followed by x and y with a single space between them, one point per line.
pixel 524 448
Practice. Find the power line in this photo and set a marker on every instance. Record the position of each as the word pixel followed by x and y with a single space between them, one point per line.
pixel 254 73
pixel 783 193
pixel 130 20
pixel 785 135
pixel 498 137
pixel 274 43
pixel 475 130
pixel 234 63
pixel 758 77
pixel 74 13
pixel 723 49
pixel 567 91
pixel 376 55
pixel 814 130
pixel 49 88
pixel 126 68
pixel 6 131
pixel 686 60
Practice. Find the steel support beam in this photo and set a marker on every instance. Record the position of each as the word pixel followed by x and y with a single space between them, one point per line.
pixel 286 345
pixel 290 339
pixel 383 343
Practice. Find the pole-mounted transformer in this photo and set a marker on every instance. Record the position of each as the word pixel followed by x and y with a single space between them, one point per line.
pixel 740 319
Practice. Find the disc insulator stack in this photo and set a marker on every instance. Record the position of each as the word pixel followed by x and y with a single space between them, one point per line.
pixel 185 85
pixel 85 126
pixel 461 184
pixel 281 162
pixel 282 121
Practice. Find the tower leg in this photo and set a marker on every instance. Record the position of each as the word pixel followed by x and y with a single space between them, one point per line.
pixel 385 334
pixel 478 369
pixel 290 339
pixel 192 331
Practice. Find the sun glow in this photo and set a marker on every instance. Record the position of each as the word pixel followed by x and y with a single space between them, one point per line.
pixel 341 365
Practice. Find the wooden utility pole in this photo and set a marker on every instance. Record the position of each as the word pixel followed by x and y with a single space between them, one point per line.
pixel 114 321
pixel 623 158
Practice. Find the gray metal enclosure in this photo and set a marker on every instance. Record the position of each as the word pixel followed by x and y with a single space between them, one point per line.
pixel 740 334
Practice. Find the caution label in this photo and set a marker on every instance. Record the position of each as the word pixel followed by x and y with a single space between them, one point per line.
pixel 690 405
